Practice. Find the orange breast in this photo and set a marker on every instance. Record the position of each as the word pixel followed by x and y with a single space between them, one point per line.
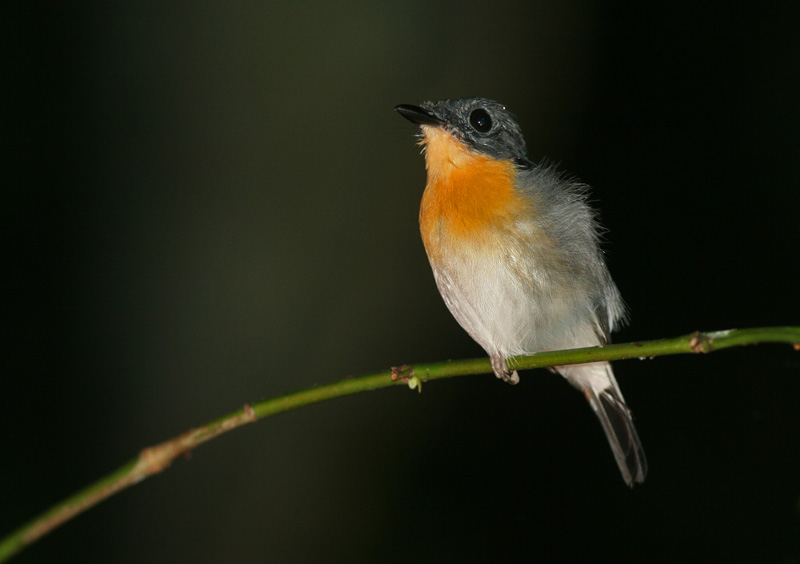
pixel 469 197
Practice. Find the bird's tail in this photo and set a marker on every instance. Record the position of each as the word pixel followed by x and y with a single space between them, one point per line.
pixel 598 384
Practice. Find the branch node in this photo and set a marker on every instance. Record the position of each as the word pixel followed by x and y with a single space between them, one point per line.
pixel 701 343
pixel 402 373
pixel 154 459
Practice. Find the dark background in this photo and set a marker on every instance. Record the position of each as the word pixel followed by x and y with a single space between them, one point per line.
pixel 209 204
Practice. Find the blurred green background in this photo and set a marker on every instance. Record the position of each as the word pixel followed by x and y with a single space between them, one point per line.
pixel 206 204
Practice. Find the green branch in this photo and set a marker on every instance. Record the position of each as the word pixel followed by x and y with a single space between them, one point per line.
pixel 157 458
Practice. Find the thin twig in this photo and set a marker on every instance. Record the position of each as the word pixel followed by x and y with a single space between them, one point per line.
pixel 157 458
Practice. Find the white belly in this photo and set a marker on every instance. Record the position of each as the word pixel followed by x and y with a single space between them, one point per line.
pixel 513 307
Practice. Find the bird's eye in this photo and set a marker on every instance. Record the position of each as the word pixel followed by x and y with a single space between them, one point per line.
pixel 480 120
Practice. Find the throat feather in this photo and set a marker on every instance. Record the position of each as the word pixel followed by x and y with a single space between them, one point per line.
pixel 468 195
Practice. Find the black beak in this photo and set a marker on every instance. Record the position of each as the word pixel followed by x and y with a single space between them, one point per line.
pixel 417 115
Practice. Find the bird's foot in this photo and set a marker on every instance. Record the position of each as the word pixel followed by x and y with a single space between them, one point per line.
pixel 500 370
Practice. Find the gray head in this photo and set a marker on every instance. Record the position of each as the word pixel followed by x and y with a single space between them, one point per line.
pixel 482 124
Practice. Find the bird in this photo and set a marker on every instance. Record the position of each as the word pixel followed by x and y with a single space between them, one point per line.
pixel 515 251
